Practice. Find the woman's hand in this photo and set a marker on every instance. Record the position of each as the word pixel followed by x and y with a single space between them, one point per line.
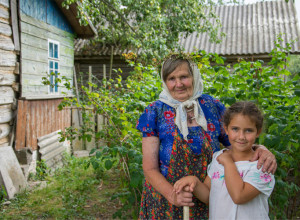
pixel 225 157
pixel 182 198
pixel 265 159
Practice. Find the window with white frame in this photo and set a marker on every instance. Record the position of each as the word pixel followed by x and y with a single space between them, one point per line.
pixel 53 64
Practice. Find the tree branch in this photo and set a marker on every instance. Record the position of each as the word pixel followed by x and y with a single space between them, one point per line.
pixel 121 16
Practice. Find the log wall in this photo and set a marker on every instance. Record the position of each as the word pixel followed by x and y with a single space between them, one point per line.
pixel 9 70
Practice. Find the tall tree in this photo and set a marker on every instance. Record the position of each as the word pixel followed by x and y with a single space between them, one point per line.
pixel 149 27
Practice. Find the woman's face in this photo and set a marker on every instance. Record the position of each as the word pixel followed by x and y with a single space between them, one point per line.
pixel 180 83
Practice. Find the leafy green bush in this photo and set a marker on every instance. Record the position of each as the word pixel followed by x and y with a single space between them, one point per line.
pixel 121 104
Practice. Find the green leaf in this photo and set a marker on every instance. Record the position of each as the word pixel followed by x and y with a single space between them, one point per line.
pixel 297 92
pixel 108 164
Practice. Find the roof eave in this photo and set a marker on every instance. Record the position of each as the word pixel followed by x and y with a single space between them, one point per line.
pixel 88 31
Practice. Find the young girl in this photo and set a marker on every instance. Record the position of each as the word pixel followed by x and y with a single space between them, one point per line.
pixel 234 187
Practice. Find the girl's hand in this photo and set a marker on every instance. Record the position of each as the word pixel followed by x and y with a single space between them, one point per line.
pixel 187 183
pixel 265 159
pixel 225 157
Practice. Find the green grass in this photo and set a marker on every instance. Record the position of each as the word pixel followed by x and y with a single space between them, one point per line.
pixel 72 192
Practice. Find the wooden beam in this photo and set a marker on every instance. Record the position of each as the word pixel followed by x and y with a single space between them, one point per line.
pixel 21 124
pixel 15 23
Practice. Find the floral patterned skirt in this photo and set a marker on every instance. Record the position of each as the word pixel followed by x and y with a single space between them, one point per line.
pixel 183 162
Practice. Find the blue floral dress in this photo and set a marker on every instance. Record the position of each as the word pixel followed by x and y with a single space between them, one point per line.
pixel 178 157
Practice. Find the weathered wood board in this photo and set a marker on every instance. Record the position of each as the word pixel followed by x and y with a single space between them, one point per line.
pixel 7 79
pixel 4 130
pixel 37 118
pixel 4 13
pixel 10 172
pixel 5 29
pixel 7 95
pixel 4 141
pixel 6 43
pixel 4 3
pixel 7 58
pixel 51 150
pixel 6 113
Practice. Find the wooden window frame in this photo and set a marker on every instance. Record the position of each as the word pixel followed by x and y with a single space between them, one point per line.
pixel 54 60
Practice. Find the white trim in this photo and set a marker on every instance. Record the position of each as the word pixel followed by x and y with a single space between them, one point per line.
pixel 50 96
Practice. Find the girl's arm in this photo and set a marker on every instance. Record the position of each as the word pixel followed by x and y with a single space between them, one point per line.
pixel 239 191
pixel 150 146
pixel 194 185
pixel 202 190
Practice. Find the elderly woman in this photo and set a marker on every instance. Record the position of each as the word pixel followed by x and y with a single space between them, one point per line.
pixel 180 133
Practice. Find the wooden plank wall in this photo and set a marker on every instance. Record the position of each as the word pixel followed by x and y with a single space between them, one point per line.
pixel 82 65
pixel 46 11
pixel 37 118
pixel 34 56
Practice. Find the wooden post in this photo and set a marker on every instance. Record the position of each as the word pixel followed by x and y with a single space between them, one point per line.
pixel 90 78
pixel 15 25
pixel 111 61
pixel 186 213
pixel 77 95
pixel 104 71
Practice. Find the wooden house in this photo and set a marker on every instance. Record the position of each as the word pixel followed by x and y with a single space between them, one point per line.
pixel 36 39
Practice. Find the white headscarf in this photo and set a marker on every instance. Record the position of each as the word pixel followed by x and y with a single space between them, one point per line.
pixel 181 114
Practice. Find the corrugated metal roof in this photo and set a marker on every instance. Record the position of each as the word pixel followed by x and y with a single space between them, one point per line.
pixel 250 29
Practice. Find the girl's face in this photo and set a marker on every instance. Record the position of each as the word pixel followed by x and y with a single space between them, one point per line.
pixel 180 83
pixel 242 133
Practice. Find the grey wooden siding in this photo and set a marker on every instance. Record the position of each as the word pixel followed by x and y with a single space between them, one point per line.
pixel 34 56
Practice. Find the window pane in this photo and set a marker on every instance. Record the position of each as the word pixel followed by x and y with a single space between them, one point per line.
pixel 50 49
pixel 56 66
pixel 56 86
pixel 51 83
pixel 51 64
pixel 55 51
